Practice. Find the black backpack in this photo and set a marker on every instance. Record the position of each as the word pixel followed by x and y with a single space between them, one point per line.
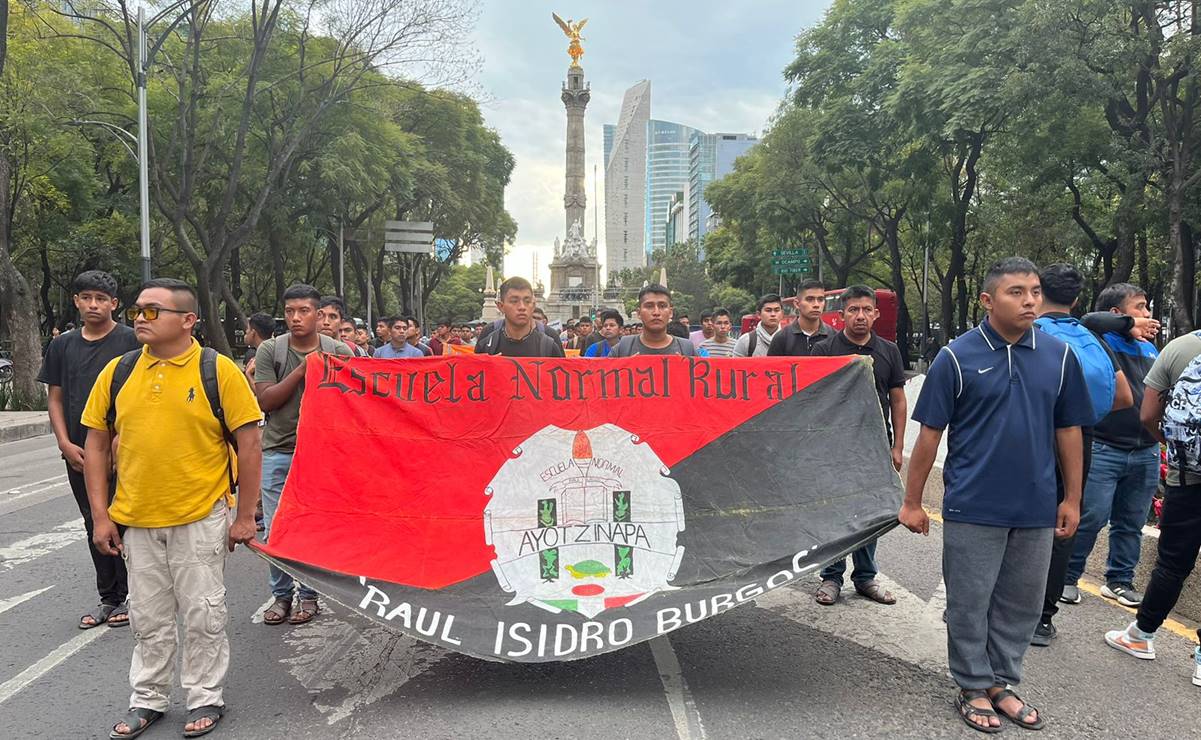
pixel 208 381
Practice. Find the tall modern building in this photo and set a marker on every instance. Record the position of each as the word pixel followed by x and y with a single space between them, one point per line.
pixel 711 156
pixel 626 219
pixel 667 169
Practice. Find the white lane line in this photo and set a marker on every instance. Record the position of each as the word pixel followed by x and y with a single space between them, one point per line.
pixel 679 699
pixel 6 604
pixel 44 482
pixel 31 548
pixel 13 685
pixel 14 496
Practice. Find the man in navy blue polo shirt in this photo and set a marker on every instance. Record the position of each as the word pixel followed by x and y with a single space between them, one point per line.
pixel 1012 397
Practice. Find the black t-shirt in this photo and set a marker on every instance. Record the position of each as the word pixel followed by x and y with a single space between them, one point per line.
pixel 534 344
pixel 887 364
pixel 73 363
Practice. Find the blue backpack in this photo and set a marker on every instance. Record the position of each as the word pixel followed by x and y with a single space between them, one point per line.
pixel 1094 360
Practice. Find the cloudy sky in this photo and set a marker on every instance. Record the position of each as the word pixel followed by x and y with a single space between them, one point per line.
pixel 716 66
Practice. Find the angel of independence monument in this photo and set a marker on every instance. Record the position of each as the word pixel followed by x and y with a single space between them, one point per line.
pixel 575 286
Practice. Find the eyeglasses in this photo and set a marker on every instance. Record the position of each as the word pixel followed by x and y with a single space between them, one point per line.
pixel 150 312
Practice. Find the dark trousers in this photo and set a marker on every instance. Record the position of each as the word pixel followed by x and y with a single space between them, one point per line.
pixel 1061 551
pixel 1179 542
pixel 111 580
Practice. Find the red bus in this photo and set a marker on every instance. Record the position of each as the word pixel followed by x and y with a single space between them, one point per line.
pixel 886 302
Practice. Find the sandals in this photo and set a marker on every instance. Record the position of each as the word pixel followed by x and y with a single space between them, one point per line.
pixel 138 719
pixel 969 711
pixel 122 610
pixel 99 614
pixel 308 609
pixel 212 712
pixel 1019 718
pixel 827 593
pixel 278 612
pixel 874 591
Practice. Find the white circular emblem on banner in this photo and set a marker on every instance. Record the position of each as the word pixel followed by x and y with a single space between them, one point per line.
pixel 584 521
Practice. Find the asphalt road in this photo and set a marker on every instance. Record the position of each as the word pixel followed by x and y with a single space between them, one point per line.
pixel 783 667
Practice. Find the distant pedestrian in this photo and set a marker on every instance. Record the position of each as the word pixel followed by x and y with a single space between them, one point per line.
pixel 398 346
pixel 519 334
pixel 800 337
pixel 654 312
pixel 175 416
pixel 1171 412
pixel 279 384
pixel 756 342
pixel 72 363
pixel 859 314
pixel 703 333
pixel 611 323
pixel 1011 398
pixel 721 344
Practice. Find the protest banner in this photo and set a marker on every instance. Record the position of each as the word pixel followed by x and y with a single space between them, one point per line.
pixel 547 509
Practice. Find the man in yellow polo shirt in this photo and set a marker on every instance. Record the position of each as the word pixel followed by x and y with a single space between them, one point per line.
pixel 170 517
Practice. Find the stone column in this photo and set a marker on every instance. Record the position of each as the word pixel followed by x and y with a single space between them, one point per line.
pixel 575 99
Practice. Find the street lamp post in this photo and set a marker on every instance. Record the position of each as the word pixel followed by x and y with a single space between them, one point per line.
pixel 146 54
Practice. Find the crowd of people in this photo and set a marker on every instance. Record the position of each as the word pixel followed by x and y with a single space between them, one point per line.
pixel 1054 425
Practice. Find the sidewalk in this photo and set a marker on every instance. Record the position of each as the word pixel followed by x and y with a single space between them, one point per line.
pixel 18 425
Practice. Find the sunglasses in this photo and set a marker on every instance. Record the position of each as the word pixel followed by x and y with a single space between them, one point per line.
pixel 150 312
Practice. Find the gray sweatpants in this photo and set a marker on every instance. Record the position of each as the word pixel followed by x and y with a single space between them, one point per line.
pixel 996 578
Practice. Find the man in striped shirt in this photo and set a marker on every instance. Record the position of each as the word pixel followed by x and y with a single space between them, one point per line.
pixel 720 344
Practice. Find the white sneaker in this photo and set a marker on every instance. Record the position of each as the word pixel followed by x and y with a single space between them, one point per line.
pixel 1124 641
pixel 1197 670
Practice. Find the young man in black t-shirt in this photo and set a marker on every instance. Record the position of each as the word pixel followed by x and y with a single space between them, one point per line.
pixel 519 335
pixel 72 362
pixel 655 313
pixel 859 313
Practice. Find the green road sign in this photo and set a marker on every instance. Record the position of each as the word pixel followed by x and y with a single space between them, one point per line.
pixel 791 269
pixel 801 252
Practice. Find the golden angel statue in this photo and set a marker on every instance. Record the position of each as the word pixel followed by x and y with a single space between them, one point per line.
pixel 572 29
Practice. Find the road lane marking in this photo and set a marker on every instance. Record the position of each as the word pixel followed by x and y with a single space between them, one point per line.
pixel 47 482
pixel 38 545
pixel 13 685
pixel 6 604
pixel 684 713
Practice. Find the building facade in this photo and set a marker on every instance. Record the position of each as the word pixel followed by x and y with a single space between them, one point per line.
pixel 667 166
pixel 675 229
pixel 711 157
pixel 625 182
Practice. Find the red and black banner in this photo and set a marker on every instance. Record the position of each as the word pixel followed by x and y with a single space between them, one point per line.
pixel 553 509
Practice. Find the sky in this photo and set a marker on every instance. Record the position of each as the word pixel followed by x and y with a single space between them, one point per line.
pixel 716 66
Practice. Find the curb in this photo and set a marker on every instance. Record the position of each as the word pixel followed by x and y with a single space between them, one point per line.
pixel 18 432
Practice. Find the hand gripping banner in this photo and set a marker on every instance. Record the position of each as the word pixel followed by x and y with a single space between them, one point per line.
pixel 553 509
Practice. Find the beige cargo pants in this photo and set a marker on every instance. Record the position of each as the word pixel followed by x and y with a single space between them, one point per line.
pixel 178 572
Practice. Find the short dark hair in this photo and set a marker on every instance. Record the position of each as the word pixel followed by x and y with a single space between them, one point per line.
pixel 656 289
pixel 1061 283
pixel 394 320
pixel 335 302
pixel 706 315
pixel 584 320
pixel 1115 295
pixel 810 284
pixel 302 292
pixel 858 291
pixel 413 320
pixel 677 329
pixel 513 283
pixel 185 294
pixel 263 324
pixel 98 281
pixel 382 320
pixel 682 316
pixel 766 299
pixel 721 312
pixel 443 322
pixel 609 313
pixel 1007 266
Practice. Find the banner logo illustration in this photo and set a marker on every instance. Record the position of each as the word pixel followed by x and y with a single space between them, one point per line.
pixel 584 521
